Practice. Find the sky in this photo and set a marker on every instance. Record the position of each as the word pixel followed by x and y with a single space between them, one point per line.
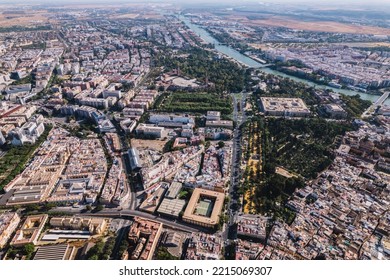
pixel 351 3
pixel 214 1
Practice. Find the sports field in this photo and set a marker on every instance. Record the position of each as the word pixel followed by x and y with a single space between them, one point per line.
pixel 205 207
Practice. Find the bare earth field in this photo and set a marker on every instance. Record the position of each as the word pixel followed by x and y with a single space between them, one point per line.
pixel 284 172
pixel 366 45
pixel 29 18
pixel 267 46
pixel 148 144
pixel 125 16
pixel 323 26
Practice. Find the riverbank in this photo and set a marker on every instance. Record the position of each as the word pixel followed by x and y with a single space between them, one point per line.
pixel 249 62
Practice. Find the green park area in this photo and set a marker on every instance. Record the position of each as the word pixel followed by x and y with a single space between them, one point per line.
pixel 15 158
pixel 196 102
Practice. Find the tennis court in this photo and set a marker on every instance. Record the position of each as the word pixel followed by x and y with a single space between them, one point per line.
pixel 205 207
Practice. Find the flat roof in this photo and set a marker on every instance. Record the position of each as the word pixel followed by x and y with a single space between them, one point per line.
pixel 55 237
pixel 52 252
pixel 171 207
pixel 150 204
pixel 197 202
pixel 281 104
pixel 174 189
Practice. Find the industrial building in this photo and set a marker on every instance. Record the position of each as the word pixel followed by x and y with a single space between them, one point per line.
pixel 135 162
pixel 171 207
pixel 171 120
pixel 54 252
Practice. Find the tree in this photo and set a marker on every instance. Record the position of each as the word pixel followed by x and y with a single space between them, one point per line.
pixel 93 257
pixel 11 254
pixel 221 144
pixel 49 206
pixel 163 254
pixel 99 208
pixel 32 207
pixel 28 250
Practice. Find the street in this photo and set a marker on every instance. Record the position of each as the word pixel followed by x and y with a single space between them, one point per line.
pixel 229 231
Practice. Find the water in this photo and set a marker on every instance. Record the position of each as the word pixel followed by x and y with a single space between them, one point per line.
pixel 230 52
pixel 221 48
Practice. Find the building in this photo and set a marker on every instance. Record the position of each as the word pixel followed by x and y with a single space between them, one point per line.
pixel 54 252
pixel 174 189
pixel 251 227
pixel 174 242
pixel 17 90
pixel 204 208
pixel 6 129
pixel 2 139
pixel 27 134
pixel 152 202
pixel 113 90
pixel 144 235
pixel 148 130
pixel 92 225
pixel 225 124
pixel 187 132
pixel 30 230
pixel 135 162
pixel 246 250
pixel 289 107
pixel 114 181
pixel 202 246
pixel 171 207
pixel 171 120
pixel 94 102
pixel 128 125
pixel 213 116
pixel 106 126
pixel 133 112
pixel 8 224
pixel 114 141
pixel 335 111
pixel 216 133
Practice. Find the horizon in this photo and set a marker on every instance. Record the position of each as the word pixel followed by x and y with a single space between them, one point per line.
pixel 268 2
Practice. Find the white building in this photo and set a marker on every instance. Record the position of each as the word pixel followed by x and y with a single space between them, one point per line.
pixel 94 102
pixel 158 119
pixel 8 224
pixel 213 115
pixel 27 134
pixel 128 125
pixel 151 130
pixel 2 139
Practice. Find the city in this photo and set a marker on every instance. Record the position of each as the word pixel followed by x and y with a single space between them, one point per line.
pixel 165 131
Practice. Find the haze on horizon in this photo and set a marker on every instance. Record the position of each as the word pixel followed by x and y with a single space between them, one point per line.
pixel 223 2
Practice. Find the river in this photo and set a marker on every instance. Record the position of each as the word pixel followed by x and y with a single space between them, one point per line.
pixel 232 53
